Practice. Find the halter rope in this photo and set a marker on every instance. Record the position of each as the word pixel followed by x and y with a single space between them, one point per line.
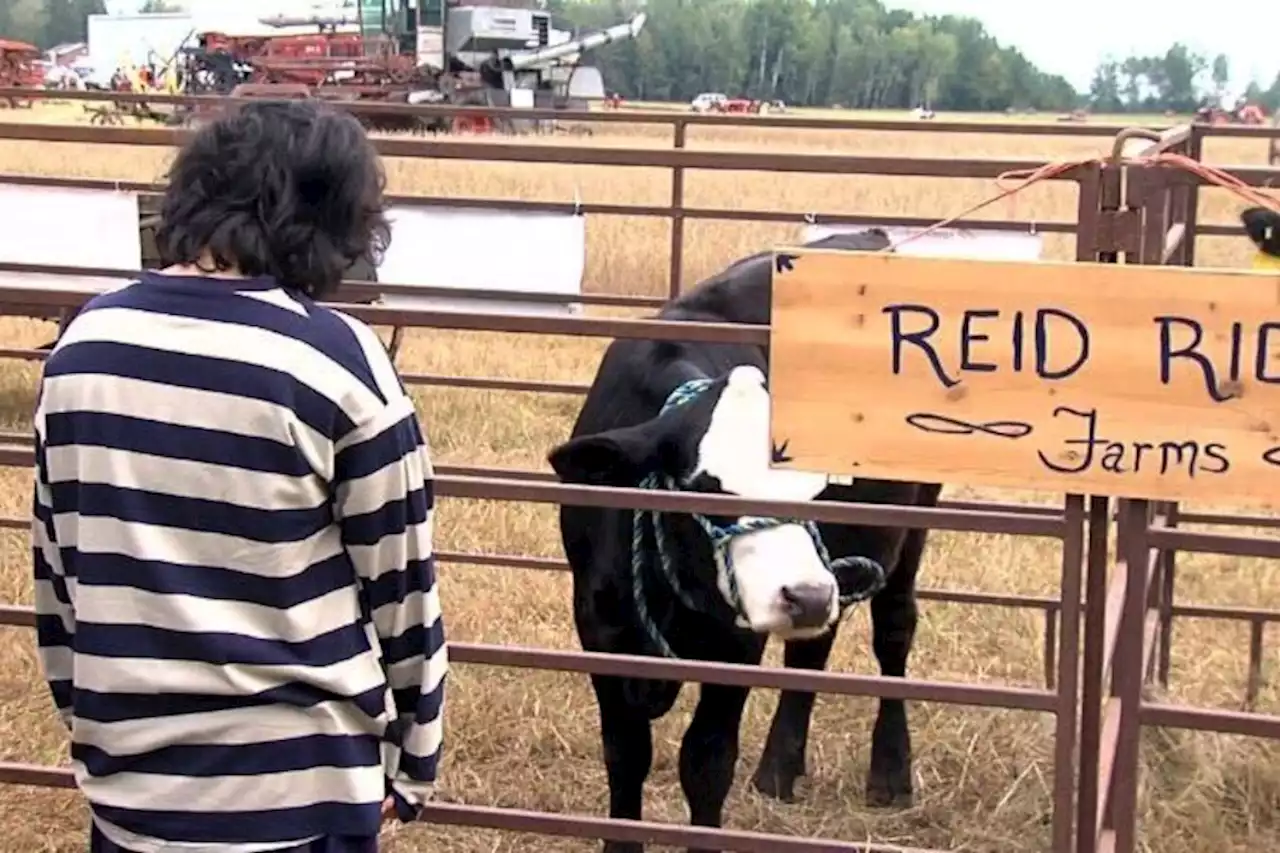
pixel 873 574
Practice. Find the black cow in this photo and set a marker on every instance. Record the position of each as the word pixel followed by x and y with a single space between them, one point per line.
pixel 719 594
pixel 1263 227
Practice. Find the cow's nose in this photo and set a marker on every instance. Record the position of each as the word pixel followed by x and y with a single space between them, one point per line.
pixel 808 604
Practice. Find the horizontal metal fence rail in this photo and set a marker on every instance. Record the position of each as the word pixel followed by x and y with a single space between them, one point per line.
pixel 726 214
pixel 580 155
pixel 546 823
pixel 655 117
pixel 672 118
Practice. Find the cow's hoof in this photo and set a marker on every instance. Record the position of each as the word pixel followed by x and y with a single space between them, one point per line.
pixel 775 785
pixel 884 794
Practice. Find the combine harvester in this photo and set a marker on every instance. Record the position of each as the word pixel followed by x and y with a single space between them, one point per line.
pixel 450 52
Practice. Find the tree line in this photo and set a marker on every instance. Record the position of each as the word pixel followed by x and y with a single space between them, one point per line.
pixel 851 53
pixel 1180 80
pixel 860 54
pixel 45 23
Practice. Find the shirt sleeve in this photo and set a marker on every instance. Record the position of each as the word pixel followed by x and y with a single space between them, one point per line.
pixel 54 593
pixel 384 504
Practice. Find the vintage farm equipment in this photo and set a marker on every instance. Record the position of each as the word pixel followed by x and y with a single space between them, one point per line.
pixel 719 103
pixel 155 77
pixel 18 69
pixel 495 53
pixel 1243 113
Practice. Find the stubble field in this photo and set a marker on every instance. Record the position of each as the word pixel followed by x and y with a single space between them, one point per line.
pixel 530 740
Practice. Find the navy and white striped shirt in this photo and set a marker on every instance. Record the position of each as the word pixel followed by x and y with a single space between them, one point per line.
pixel 236 602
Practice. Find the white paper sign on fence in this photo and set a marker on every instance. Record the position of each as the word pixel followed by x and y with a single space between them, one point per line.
pixel 60 226
pixel 542 253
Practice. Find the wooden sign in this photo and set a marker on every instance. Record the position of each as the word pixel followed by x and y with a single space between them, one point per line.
pixel 1145 382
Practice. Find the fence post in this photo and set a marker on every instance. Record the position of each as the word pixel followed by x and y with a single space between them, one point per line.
pixel 1122 806
pixel 1067 683
pixel 680 131
pixel 1099 200
pixel 1092 687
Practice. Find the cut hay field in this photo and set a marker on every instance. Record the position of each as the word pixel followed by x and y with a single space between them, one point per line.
pixel 530 740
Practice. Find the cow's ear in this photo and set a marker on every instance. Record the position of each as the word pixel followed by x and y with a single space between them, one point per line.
pixel 618 457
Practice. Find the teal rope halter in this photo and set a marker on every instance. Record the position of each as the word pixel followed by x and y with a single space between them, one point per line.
pixel 721 538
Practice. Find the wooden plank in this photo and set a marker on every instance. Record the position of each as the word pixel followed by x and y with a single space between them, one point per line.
pixel 1154 382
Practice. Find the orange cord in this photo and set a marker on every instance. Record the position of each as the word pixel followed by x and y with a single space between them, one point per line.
pixel 1028 177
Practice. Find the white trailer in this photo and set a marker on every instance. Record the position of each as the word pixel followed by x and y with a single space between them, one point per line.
pixel 117 41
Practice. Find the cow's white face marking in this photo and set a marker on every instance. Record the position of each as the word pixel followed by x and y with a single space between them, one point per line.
pixel 781 578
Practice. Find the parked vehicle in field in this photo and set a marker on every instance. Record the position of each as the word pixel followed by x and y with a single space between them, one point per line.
pixel 708 102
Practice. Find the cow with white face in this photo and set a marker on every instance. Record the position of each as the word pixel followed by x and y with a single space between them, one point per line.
pixel 695 417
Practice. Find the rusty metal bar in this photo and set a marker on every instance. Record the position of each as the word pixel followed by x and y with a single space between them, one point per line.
pixel 15 450
pixel 1049 643
pixel 1207 720
pixel 1253 683
pixel 677 217
pixel 1195 150
pixel 532 491
pixel 1223 520
pixel 365 290
pixel 536 386
pixel 546 823
pixel 1168 588
pixel 590 827
pixel 1123 633
pixel 738 675
pixel 1113 614
pixel 1067 676
pixel 829 511
pixel 640 210
pixel 943 595
pixel 1214 543
pixel 37 775
pixel 686 158
pixel 1093 685
pixel 1123 799
pixel 739 333
pixel 766 677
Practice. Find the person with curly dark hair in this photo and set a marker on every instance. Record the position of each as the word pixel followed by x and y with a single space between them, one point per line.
pixel 232 521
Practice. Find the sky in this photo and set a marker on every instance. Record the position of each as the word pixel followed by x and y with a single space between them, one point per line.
pixel 1072 38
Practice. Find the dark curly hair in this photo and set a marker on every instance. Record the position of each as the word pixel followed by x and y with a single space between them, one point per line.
pixel 289 189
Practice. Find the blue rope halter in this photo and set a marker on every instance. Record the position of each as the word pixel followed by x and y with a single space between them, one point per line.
pixel 872 574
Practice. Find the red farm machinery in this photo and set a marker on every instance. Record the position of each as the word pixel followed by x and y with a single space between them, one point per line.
pixel 19 69
pixel 487 53
pixel 1243 113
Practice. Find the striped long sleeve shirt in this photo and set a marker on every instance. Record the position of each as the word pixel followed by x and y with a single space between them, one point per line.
pixel 236 603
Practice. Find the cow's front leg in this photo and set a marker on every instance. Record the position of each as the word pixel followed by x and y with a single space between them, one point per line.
pixel 893 624
pixel 709 753
pixel 783 759
pixel 628 754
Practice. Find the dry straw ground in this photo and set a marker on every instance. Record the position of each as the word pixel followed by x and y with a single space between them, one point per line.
pixel 524 739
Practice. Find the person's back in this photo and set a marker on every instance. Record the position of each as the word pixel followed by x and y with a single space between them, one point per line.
pixel 237 605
